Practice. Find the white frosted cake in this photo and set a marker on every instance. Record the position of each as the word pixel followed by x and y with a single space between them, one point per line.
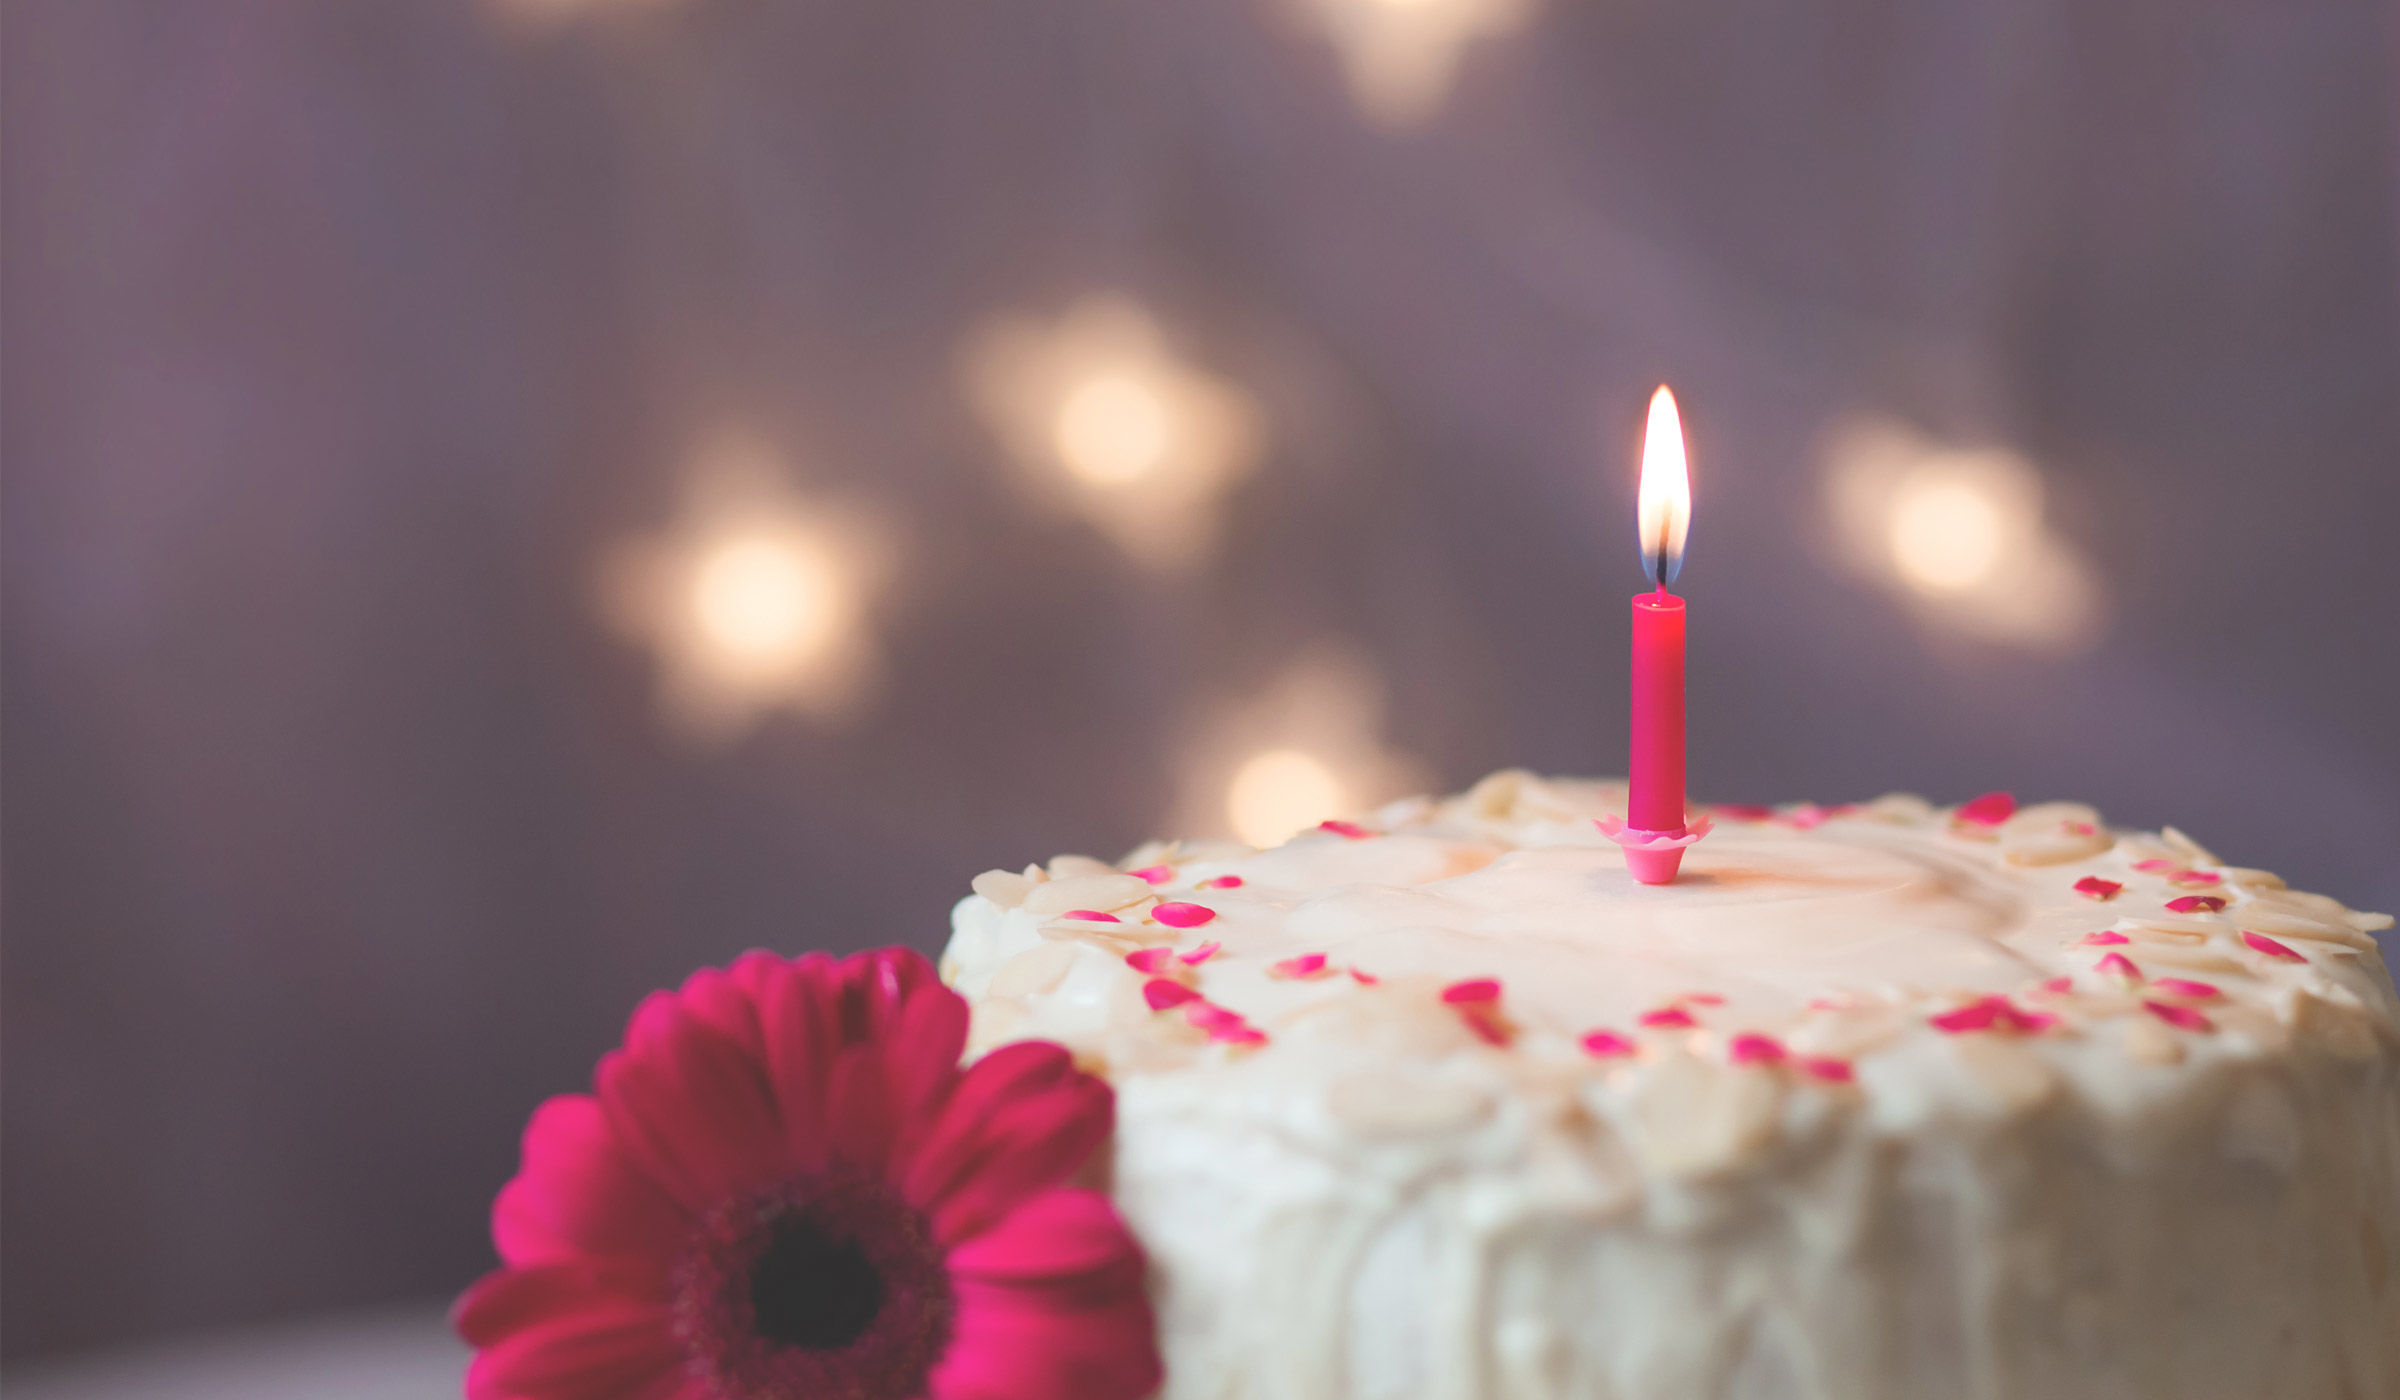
pixel 1885 1102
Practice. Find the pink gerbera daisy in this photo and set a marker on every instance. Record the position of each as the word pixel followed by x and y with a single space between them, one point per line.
pixel 785 1188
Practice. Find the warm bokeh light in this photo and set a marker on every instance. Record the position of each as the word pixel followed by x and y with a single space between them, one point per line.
pixel 753 599
pixel 1279 792
pixel 1664 507
pixel 1104 421
pixel 1961 535
pixel 1401 56
pixel 1946 535
pixel 1114 427
pixel 1306 745
pixel 777 601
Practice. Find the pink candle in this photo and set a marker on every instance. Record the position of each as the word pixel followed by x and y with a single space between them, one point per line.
pixel 1654 773
pixel 1654 832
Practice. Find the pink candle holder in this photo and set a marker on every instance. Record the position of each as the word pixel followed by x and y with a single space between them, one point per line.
pixel 1654 856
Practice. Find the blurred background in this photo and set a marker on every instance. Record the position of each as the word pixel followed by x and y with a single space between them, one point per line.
pixel 507 502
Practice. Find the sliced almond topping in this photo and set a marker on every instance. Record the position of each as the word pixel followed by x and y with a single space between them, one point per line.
pixel 1391 1104
pixel 1106 891
pixel 1699 1120
pixel 2148 1040
pixel 2192 852
pixel 2190 957
pixel 2014 1074
pixel 2332 1026
pixel 1005 888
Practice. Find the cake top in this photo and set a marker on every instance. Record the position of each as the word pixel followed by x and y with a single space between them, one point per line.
pixel 1906 952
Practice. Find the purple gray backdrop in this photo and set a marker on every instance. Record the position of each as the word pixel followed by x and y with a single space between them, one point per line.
pixel 344 339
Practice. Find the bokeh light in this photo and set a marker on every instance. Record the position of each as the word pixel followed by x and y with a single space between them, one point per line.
pixel 1281 791
pixel 754 599
pixel 1114 428
pixel 769 601
pixel 1104 421
pixel 1305 746
pixel 1960 534
pixel 1946 535
pixel 1401 57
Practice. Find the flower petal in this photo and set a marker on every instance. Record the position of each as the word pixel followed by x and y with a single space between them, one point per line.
pixel 578 1194
pixel 1024 1069
pixel 922 1055
pixel 506 1301
pixel 1012 1128
pixel 800 1024
pixel 1056 1236
pixel 861 1118
pixel 726 998
pixel 610 1351
pixel 691 1107
pixel 1020 1343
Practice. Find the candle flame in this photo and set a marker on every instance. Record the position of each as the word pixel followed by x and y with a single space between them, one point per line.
pixel 1665 502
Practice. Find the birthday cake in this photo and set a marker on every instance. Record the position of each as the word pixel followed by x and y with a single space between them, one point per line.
pixel 1876 1102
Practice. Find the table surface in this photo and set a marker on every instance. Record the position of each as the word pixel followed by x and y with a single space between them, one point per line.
pixel 393 1354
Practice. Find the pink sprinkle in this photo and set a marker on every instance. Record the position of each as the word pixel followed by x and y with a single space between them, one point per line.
pixel 1744 811
pixel 2186 988
pixel 2153 865
pixel 1992 1013
pixel 1176 914
pixel 1163 992
pixel 1755 1050
pixel 2196 877
pixel 1091 916
pixel 1209 1016
pixel 1609 1045
pixel 1150 959
pixel 1477 989
pixel 2119 966
pixel 1827 1068
pixel 2057 986
pixel 2259 942
pixel 1701 999
pixel 1364 979
pixel 1974 1016
pixel 2093 887
pixel 1991 809
pixel 1305 965
pixel 2180 1017
pixel 1222 882
pixel 2081 828
pixel 1352 830
pixel 1672 1018
pixel 1805 817
pixel 1155 874
pixel 2105 938
pixel 2197 903
pixel 1238 1035
pixel 1200 954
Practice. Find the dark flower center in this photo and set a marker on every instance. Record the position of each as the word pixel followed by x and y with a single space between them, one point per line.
pixel 812 1290
pixel 825 1288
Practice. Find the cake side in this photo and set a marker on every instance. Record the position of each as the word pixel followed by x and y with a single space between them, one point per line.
pixel 1877 1101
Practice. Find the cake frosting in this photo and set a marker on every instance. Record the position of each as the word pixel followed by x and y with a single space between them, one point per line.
pixel 1877 1102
